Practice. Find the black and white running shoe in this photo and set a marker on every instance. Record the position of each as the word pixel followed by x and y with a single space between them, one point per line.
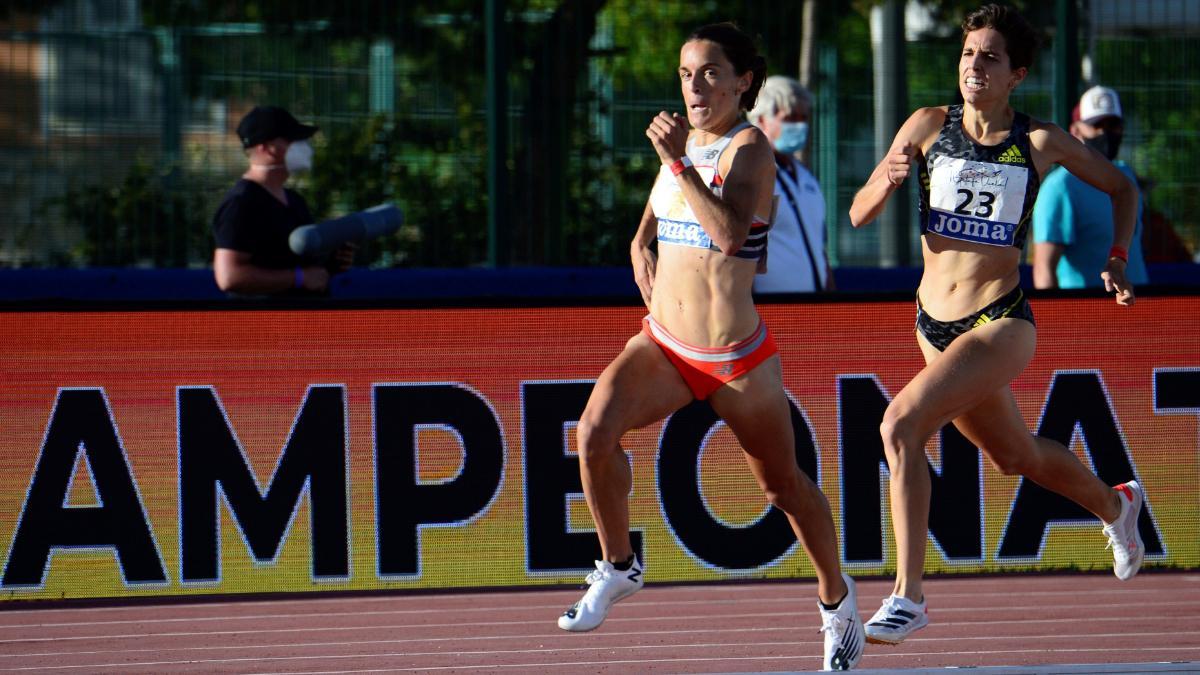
pixel 606 585
pixel 843 630
pixel 898 618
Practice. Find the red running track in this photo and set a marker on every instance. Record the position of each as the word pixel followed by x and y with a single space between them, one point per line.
pixel 754 627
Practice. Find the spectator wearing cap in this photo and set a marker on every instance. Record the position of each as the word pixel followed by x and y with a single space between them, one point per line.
pixel 1073 221
pixel 252 223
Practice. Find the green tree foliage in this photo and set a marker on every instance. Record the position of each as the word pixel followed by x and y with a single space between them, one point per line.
pixel 435 177
pixel 1162 114
pixel 648 36
pixel 145 219
pixel 580 167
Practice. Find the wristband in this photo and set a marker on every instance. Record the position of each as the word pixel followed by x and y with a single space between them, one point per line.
pixel 1119 252
pixel 681 165
pixel 299 277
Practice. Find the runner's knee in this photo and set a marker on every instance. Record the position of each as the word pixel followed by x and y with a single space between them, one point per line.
pixel 594 441
pixel 1010 461
pixel 1007 464
pixel 900 434
pixel 783 489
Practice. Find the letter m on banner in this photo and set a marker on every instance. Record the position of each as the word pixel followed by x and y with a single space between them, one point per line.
pixel 211 460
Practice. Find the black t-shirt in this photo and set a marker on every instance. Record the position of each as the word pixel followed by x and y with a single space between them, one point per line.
pixel 253 221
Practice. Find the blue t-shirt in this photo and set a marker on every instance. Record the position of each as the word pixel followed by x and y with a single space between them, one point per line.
pixel 1078 216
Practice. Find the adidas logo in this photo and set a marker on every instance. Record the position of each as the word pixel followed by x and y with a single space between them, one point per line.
pixel 1012 156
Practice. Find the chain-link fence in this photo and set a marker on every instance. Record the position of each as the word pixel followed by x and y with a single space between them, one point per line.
pixel 116 138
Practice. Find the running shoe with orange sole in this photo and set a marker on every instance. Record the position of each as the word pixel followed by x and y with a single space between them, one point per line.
pixel 1123 536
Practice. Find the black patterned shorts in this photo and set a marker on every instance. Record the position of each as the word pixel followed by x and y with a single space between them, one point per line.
pixel 1014 305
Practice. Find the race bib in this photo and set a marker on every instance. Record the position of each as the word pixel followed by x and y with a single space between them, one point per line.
pixel 976 201
pixel 684 234
pixel 677 223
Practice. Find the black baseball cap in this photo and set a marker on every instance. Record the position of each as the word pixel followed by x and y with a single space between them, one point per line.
pixel 266 122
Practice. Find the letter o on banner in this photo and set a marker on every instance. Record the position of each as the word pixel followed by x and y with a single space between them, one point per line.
pixel 718 544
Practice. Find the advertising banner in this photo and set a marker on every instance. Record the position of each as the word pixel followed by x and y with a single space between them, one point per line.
pixel 257 451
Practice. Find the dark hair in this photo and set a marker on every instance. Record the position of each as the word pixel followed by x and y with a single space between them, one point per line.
pixel 740 50
pixel 1020 38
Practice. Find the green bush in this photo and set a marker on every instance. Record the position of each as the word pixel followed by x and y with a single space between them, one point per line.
pixel 434 175
pixel 148 219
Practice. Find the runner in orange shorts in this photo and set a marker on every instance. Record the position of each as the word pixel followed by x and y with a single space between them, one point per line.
pixel 709 211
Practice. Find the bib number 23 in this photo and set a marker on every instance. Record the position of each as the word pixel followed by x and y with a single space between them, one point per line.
pixel 978 204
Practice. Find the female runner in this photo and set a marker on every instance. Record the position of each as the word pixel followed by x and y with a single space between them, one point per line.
pixel 703 339
pixel 980 164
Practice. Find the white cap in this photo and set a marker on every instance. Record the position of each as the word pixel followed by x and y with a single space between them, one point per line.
pixel 1097 103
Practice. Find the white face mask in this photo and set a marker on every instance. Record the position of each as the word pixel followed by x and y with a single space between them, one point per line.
pixel 299 157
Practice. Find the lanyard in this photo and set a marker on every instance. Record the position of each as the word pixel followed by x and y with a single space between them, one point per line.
pixel 782 178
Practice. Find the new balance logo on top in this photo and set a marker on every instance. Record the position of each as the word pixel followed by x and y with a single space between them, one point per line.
pixel 1012 156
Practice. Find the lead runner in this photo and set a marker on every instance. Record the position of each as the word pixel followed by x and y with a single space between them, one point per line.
pixel 703 338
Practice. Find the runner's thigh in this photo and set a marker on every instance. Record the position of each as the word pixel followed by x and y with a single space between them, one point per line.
pixel 976 366
pixel 756 410
pixel 638 388
pixel 996 426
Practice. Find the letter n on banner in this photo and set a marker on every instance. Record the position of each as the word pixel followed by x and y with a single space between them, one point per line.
pixel 955 514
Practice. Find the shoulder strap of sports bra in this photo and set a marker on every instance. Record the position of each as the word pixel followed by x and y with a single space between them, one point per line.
pixel 724 140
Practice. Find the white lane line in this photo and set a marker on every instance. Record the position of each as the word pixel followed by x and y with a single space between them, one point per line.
pixel 746 594
pixel 268 659
pixel 510 622
pixel 514 609
pixel 607 647
pixel 602 663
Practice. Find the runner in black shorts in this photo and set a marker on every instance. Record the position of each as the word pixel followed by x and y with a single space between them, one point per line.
pixel 980 164
pixel 940 334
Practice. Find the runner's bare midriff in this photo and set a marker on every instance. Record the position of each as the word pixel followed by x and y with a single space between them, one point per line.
pixel 703 296
pixel 961 277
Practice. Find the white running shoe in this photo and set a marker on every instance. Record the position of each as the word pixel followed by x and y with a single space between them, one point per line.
pixel 843 631
pixel 607 585
pixel 898 618
pixel 1123 536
